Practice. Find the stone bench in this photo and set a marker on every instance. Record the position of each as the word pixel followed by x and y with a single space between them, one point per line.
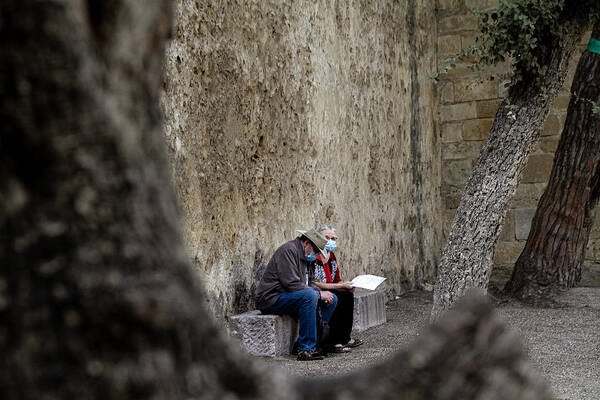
pixel 274 335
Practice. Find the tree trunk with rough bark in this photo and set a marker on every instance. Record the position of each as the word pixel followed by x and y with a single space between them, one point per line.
pixel 555 249
pixel 467 257
pixel 97 297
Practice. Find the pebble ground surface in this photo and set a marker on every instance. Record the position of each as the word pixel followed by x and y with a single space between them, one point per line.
pixel 563 340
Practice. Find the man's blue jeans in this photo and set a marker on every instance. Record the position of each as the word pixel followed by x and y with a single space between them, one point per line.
pixel 302 304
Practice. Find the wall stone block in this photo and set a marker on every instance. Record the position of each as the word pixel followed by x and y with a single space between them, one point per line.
pixel 451 195
pixel 508 252
pixel 458 23
pixel 456 172
pixel 449 5
pixel 487 108
pixel 590 273
pixel 552 126
pixel 460 71
pixel 461 150
pixel 528 195
pixel 595 231
pixel 523 218
pixel 467 90
pixel 508 230
pixel 481 4
pixel 562 100
pixel 451 132
pixel 449 45
pixel 458 112
pixel 549 144
pixel 538 168
pixel 477 129
pixel 447 92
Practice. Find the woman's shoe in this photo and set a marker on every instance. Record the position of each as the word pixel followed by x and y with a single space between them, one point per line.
pixel 338 348
pixel 354 343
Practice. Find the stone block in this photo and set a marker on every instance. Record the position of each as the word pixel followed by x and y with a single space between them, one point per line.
pixel 468 90
pixel 451 132
pixel 538 168
pixel 369 309
pixel 456 172
pixel 552 126
pixel 457 23
pixel 508 252
pixel 461 70
pixel 449 46
pixel 447 93
pixel 448 4
pixel 458 112
pixel 508 230
pixel 590 273
pixel 264 335
pixel 549 144
pixel 562 101
pixel 461 150
pixel 528 195
pixel 523 218
pixel 477 129
pixel 595 231
pixel 477 5
pixel 487 108
pixel 468 40
pixel 451 195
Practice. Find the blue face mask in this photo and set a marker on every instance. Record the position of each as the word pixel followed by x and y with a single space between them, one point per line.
pixel 311 257
pixel 330 245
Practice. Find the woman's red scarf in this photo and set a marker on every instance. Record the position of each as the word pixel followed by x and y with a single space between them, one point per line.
pixel 327 269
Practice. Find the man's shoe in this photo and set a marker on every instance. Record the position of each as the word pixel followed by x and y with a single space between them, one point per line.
pixel 304 355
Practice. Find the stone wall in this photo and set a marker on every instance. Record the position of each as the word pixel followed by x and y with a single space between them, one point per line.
pixel 290 114
pixel 465 116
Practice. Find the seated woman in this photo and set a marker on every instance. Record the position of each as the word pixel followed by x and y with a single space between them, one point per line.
pixel 327 277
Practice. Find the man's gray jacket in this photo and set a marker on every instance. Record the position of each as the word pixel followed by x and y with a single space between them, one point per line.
pixel 287 271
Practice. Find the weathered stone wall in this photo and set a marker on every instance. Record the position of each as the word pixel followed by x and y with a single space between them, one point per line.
pixel 466 113
pixel 291 114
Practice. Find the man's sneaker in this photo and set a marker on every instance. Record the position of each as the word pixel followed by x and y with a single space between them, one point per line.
pixel 304 355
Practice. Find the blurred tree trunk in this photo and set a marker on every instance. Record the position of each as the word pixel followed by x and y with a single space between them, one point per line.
pixel 555 249
pixel 97 297
pixel 467 257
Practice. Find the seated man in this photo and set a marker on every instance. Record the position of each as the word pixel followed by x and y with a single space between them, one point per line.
pixel 287 287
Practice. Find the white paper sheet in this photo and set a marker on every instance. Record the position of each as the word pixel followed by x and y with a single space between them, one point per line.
pixel 367 281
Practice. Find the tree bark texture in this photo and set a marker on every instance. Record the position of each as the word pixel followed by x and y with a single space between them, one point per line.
pixel 467 257
pixel 97 297
pixel 555 248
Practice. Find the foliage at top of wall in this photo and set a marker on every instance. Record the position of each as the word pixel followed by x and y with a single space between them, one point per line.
pixel 525 32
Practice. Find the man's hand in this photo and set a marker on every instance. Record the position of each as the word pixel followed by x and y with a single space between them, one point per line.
pixel 326 296
pixel 347 286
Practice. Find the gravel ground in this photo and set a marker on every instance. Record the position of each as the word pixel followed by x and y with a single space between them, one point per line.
pixel 563 341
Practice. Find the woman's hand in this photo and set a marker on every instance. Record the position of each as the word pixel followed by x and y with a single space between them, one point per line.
pixel 347 286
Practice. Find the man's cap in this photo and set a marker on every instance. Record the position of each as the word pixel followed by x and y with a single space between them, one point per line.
pixel 316 238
